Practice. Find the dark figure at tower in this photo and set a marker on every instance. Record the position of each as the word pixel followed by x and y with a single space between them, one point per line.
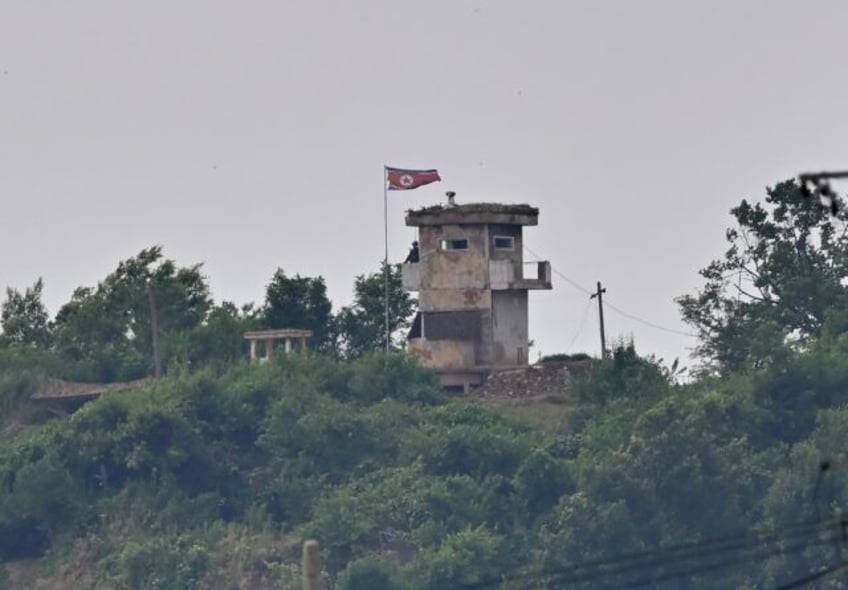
pixel 413 253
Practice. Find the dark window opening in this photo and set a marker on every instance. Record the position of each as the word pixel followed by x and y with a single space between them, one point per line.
pixel 415 329
pixel 504 243
pixel 452 325
pixel 459 244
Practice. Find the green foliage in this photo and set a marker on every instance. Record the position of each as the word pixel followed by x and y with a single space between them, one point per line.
pixel 625 375
pixel 447 444
pixel 375 377
pixel 469 556
pixel 362 326
pixel 218 341
pixel 541 480
pixel 213 475
pixel 159 563
pixel 779 281
pixel 24 318
pixel 302 303
pixel 108 332
pixel 578 356
pixel 405 489
pixel 15 389
pixel 368 573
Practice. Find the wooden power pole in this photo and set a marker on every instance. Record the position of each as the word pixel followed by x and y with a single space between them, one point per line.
pixel 311 566
pixel 600 295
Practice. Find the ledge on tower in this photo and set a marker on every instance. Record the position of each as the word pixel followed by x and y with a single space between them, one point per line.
pixel 483 213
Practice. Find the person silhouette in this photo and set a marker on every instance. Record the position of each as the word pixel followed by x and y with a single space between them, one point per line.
pixel 413 253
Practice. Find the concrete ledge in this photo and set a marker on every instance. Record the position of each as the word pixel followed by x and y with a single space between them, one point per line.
pixel 284 333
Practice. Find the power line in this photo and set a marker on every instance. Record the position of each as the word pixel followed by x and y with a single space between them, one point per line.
pixel 675 554
pixel 619 311
pixel 647 323
pixel 812 577
pixel 582 324
pixel 723 564
pixel 738 549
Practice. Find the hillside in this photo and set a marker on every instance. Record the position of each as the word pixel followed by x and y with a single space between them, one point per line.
pixel 548 477
pixel 212 479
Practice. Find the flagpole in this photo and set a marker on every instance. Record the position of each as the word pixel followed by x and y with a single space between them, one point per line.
pixel 386 254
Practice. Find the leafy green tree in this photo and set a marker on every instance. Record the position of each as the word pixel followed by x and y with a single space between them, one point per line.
pixel 779 281
pixel 465 558
pixel 220 338
pixel 362 325
pixel 299 302
pixel 368 573
pixel 24 318
pixel 624 375
pixel 110 328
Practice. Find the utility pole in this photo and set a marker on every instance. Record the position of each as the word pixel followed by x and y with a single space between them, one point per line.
pixel 600 295
pixel 311 565
pixel 154 327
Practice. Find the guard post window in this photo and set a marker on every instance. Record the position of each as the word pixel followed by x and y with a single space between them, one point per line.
pixel 457 244
pixel 504 243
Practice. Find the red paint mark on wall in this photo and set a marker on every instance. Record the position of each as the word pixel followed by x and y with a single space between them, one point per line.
pixel 423 353
pixel 472 296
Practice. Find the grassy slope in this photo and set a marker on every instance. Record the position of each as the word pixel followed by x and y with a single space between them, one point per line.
pixel 242 556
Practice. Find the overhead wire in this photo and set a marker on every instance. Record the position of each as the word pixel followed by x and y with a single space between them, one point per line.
pixel 646 322
pixel 652 580
pixel 574 284
pixel 832 569
pixel 742 553
pixel 635 561
pixel 582 325
pixel 616 309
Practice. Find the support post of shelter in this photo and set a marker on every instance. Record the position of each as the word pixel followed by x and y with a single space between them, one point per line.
pixel 268 337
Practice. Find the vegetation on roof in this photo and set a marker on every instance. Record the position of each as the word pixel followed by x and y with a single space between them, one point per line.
pixel 472 208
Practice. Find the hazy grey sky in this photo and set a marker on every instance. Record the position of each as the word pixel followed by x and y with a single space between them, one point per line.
pixel 252 135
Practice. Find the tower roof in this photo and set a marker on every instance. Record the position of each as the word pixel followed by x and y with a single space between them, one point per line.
pixel 474 213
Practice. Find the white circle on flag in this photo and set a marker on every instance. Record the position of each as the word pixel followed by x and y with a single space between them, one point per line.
pixel 406 180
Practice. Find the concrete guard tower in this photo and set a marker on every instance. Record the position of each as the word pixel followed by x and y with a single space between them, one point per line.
pixel 472 290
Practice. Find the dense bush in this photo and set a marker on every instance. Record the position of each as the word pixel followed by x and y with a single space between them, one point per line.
pixel 406 489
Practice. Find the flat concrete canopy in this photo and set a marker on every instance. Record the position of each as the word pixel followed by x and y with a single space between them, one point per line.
pixel 277 334
pixel 474 213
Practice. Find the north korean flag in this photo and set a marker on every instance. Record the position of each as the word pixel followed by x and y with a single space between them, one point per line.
pixel 401 179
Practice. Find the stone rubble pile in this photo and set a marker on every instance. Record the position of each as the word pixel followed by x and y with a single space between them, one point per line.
pixel 549 378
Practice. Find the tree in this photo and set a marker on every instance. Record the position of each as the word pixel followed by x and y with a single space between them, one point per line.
pixel 111 326
pixel 779 282
pixel 299 302
pixel 221 336
pixel 24 318
pixel 362 326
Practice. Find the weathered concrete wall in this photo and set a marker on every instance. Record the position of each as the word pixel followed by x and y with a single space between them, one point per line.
pixel 501 274
pixel 410 276
pixel 509 324
pixel 443 354
pixel 484 351
pixel 481 278
pixel 454 299
pixel 454 269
